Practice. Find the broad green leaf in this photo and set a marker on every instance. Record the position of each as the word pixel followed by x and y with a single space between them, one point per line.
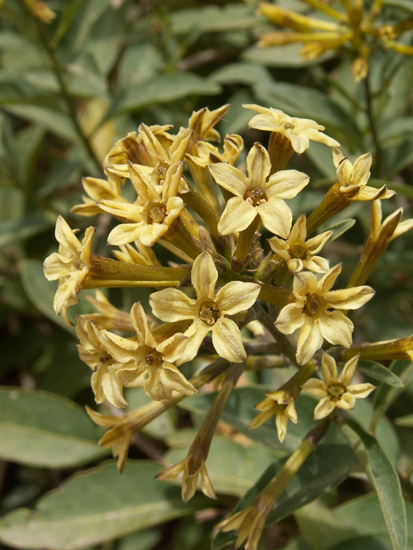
pixel 395 129
pixel 405 4
pixel 242 73
pixel 41 291
pixel 163 89
pixel 55 121
pixel 214 19
pixel 340 228
pixel 17 89
pixel 141 540
pixel 70 9
pixel 45 430
pixel 405 421
pixel 17 230
pixel 309 103
pixel 282 56
pixel 365 542
pixel 96 506
pixel 325 468
pixel 383 477
pixel 379 372
pixel 232 467
pixel 84 20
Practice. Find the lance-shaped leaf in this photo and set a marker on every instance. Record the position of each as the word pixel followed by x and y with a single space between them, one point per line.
pixel 384 479
pixel 379 372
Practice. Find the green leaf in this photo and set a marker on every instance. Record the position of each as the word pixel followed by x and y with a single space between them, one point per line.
pixel 366 542
pixel 340 228
pixel 214 19
pixel 96 506
pixel 55 121
pixel 309 103
pixel 16 230
pixel 45 430
pixel 405 4
pixel 163 89
pixel 242 73
pixel 41 291
pixel 379 372
pixel 282 56
pixel 405 421
pixel 384 478
pixel 325 468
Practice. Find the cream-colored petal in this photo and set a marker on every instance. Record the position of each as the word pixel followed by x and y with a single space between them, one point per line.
pixel 315 387
pixel 204 276
pixel 299 141
pixel 164 380
pixel 371 194
pixel 258 165
pixel 286 184
pixel 66 237
pixel 336 328
pixel 206 485
pixel 309 341
pixel 294 265
pixel 361 390
pixel 57 266
pixel 315 244
pixel 327 281
pixel 140 323
pixel 349 369
pixel 303 283
pixel 290 318
pixel 237 216
pixel 281 421
pixel 317 264
pixel 349 298
pixel 229 178
pixel 298 232
pixel 188 348
pixel 227 340
pixel 346 402
pixel 172 305
pixel 329 369
pixel 276 216
pixel 125 233
pixel 361 169
pixel 237 296
pixel 324 408
pixel 121 349
pixel 337 157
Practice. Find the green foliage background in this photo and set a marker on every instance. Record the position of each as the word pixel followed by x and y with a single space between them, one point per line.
pixel 68 91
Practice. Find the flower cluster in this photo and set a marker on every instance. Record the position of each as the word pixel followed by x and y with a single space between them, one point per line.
pixel 238 256
pixel 361 28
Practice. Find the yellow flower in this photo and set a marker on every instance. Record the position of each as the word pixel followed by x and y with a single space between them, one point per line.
pixel 98 189
pixel 70 265
pixel 105 382
pixel 155 209
pixel 283 412
pixel 202 123
pixel 315 312
pixel 336 391
pixel 191 469
pixel 300 131
pixel 248 524
pixel 205 153
pixel 110 317
pixel 208 312
pixel 352 178
pixel 141 361
pixel 299 253
pixel 256 194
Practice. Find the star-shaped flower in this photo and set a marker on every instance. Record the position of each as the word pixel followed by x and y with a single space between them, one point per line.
pixel 257 193
pixel 70 265
pixel 336 391
pixel 353 178
pixel 142 360
pixel 299 253
pixel 283 412
pixel 315 312
pixel 300 131
pixel 208 312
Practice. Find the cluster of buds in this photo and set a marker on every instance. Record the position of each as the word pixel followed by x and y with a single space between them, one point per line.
pixel 358 28
pixel 205 214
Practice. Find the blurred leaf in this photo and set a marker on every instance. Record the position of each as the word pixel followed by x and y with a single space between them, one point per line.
pixel 405 4
pixel 340 228
pixel 400 188
pixel 214 19
pixel 309 103
pixel 52 120
pixel 16 230
pixel 242 73
pixel 366 542
pixel 237 117
pixel 41 291
pixel 395 129
pixel 70 9
pixel 379 372
pixel 405 421
pixel 232 467
pixel 85 17
pixel 163 89
pixel 96 506
pixel 84 85
pixel 16 89
pixel 142 540
pixel 282 56
pixel 45 430
pixel 383 477
pixel 325 468
pixel 140 63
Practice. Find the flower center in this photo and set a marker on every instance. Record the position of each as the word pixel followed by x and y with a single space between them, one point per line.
pixel 209 312
pixel 288 125
pixel 298 251
pixel 255 196
pixel 153 358
pixel 336 390
pixel 312 304
pixel 157 214
pixel 78 265
pixel 105 358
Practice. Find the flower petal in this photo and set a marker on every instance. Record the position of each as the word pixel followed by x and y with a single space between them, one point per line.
pixel 349 298
pixel 237 296
pixel 286 184
pixel 290 318
pixel 170 304
pixel 329 368
pixel 227 340
pixel 276 216
pixel 204 276
pixel 336 328
pixel 309 341
pixel 258 166
pixel 315 387
pixel 237 216
pixel 229 178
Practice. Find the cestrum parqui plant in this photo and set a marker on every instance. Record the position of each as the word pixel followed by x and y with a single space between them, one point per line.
pixel 205 212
